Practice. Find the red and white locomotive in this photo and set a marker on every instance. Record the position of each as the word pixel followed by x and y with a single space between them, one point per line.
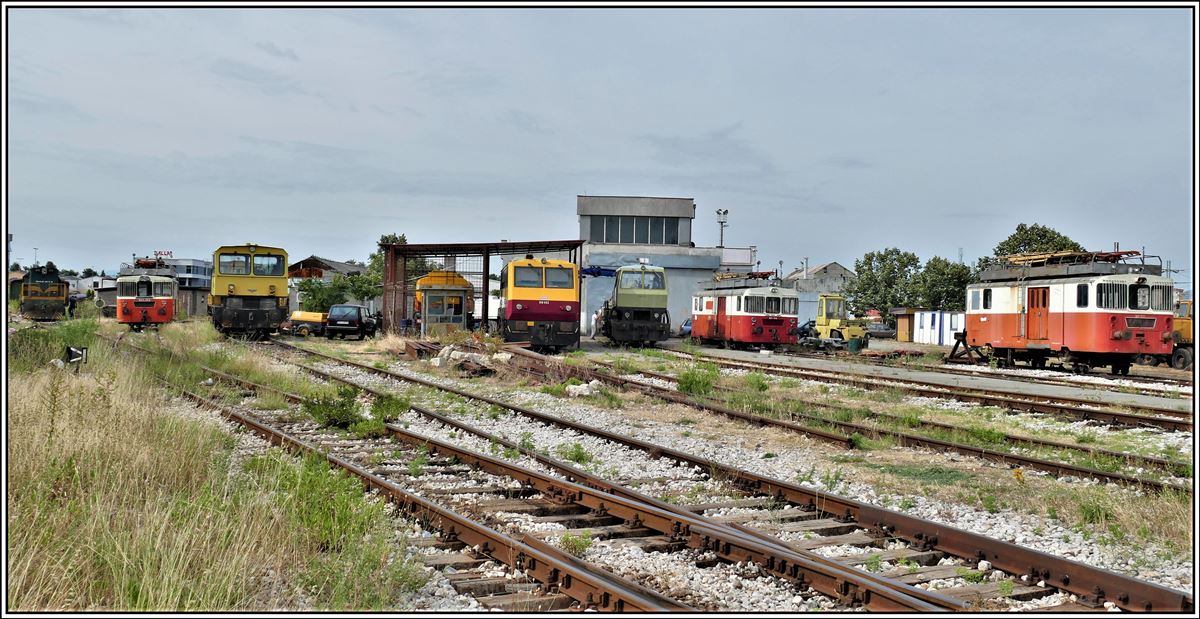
pixel 1088 309
pixel 738 312
pixel 146 293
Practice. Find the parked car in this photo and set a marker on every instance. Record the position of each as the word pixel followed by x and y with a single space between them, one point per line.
pixel 881 330
pixel 350 320
pixel 685 329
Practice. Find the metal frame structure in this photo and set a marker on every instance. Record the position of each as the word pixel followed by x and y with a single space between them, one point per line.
pixel 396 288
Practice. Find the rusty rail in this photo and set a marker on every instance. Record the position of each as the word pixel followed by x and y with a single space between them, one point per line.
pixel 984 397
pixel 1093 585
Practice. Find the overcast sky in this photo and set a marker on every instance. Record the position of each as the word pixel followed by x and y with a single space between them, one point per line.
pixel 826 133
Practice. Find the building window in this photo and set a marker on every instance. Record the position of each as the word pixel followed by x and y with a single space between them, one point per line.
pixel 671 234
pixel 641 230
pixel 1081 295
pixel 987 298
pixel 597 235
pixel 612 230
pixel 626 229
pixel 656 230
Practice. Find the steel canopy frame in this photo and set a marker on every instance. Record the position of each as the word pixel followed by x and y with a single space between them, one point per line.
pixel 395 278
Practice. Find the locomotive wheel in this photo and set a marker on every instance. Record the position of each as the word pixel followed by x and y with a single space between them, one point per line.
pixel 1181 358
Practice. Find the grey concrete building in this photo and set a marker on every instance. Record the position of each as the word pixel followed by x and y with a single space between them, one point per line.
pixel 618 230
pixel 827 277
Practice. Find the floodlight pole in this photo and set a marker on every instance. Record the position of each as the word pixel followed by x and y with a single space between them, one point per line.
pixel 722 220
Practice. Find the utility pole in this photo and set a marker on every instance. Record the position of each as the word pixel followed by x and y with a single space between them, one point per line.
pixel 722 220
pixel 34 256
pixel 806 267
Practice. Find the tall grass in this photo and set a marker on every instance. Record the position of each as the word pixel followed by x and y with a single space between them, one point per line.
pixel 120 500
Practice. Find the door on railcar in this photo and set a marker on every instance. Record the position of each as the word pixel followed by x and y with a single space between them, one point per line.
pixel 722 324
pixel 1037 319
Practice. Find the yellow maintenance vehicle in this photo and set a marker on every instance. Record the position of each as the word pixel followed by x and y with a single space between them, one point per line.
pixel 1184 351
pixel 829 322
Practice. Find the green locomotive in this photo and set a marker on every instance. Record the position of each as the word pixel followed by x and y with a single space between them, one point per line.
pixel 43 293
pixel 637 311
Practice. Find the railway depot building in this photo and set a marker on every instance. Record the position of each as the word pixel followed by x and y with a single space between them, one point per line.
pixel 618 230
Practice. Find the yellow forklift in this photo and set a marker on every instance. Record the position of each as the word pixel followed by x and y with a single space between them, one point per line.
pixel 831 326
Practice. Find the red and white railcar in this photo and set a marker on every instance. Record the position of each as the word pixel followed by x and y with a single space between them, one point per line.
pixel 146 292
pixel 1090 314
pixel 761 316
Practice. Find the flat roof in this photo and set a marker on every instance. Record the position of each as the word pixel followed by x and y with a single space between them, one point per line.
pixel 514 248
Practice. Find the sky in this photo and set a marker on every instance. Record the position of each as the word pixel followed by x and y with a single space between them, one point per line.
pixel 827 133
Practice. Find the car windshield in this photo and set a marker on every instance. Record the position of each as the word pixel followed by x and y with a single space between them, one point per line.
pixel 343 313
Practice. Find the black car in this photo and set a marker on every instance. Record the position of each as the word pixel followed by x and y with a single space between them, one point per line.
pixel 350 320
pixel 881 330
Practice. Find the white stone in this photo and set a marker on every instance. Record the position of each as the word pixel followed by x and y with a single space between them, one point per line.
pixel 984 566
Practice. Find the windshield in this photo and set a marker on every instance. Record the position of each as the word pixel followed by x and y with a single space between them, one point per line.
pixel 772 305
pixel 343 312
pixel 833 308
pixel 268 265
pixel 527 277
pixel 559 278
pixel 234 264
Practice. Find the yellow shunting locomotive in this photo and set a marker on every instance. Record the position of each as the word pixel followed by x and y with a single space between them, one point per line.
pixel 249 295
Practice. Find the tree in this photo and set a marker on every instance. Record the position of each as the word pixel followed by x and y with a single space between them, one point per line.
pixel 16 266
pixel 1027 239
pixel 68 272
pixel 884 279
pixel 89 272
pixel 319 295
pixel 942 284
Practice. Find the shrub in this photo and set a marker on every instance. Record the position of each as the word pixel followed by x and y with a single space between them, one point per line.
pixel 874 562
pixel 575 453
pixel 576 545
pixel 339 411
pixel 388 408
pixel 526 441
pixel 756 381
pixel 698 380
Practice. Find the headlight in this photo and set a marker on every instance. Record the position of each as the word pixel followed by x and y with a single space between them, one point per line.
pixel 520 307
pixel 231 288
pixel 566 308
pixel 626 315
pixel 656 315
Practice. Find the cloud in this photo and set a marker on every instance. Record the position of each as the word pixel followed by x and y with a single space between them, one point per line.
pixel 847 163
pixel 266 81
pixel 453 80
pixel 718 149
pixel 524 121
pixel 34 104
pixel 271 49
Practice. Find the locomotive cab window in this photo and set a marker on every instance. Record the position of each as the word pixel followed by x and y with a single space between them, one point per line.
pixel 268 265
pixel 1081 295
pixel 631 279
pixel 559 278
pixel 974 299
pixel 772 305
pixel 527 277
pixel 1139 297
pixel 790 305
pixel 653 281
pixel 754 305
pixel 987 298
pixel 143 289
pixel 234 264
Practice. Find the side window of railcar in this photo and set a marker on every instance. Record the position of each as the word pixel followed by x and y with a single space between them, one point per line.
pixel 268 265
pixel 527 277
pixel 559 278
pixel 234 264
pixel 754 305
pixel 987 298
pixel 974 299
pixel 1081 295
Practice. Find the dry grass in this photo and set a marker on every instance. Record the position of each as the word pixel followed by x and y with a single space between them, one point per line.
pixel 119 500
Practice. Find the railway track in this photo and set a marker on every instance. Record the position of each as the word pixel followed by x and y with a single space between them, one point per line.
pixel 1170 466
pixel 611 511
pixel 1163 384
pixel 1092 586
pixel 1070 408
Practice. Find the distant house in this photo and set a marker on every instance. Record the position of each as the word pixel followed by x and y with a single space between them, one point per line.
pixel 324 269
pixel 14 283
pixel 825 277
pixel 316 267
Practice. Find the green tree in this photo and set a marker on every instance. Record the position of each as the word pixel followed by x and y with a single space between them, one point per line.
pixel 68 272
pixel 89 272
pixel 1027 239
pixel 319 295
pixel 943 284
pixel 884 279
pixel 16 266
